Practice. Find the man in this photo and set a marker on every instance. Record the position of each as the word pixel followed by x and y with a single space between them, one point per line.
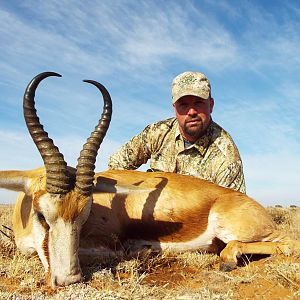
pixel 191 144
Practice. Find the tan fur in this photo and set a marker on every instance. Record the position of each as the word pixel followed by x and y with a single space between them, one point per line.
pixel 158 209
pixel 71 206
pixel 22 216
pixel 22 219
pixel 155 203
pixel 168 207
pixel 36 198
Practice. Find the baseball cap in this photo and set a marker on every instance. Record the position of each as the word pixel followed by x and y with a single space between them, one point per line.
pixel 190 83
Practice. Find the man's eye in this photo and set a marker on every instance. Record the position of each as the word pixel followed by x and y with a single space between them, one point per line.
pixel 182 105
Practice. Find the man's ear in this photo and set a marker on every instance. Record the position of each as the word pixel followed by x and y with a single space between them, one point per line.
pixel 174 108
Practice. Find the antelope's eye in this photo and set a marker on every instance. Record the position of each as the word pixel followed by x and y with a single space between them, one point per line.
pixel 42 220
pixel 40 217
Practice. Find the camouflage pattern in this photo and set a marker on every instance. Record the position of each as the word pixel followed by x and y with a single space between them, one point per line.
pixel 213 157
pixel 190 83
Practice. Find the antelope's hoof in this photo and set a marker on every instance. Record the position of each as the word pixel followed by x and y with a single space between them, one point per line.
pixel 227 267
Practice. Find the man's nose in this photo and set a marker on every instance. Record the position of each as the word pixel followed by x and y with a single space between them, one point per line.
pixel 192 111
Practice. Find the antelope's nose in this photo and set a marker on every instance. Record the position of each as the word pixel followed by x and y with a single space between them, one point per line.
pixel 66 280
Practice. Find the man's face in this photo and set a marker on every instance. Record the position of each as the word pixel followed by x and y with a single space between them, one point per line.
pixel 193 115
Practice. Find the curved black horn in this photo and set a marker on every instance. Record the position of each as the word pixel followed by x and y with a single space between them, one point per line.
pixel 86 161
pixel 58 179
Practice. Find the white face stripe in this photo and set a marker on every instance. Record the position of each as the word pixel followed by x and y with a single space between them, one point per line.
pixel 63 245
pixel 39 234
pixel 48 206
pixel 62 239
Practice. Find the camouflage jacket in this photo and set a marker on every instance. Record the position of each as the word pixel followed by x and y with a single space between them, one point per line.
pixel 213 157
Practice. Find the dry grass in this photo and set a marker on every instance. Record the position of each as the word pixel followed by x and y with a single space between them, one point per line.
pixel 190 275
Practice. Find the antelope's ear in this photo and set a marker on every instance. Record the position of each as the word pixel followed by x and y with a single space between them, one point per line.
pixel 23 181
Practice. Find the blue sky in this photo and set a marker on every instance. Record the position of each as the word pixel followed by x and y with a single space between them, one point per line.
pixel 250 51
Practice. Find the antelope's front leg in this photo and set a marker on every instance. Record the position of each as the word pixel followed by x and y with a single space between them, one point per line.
pixel 229 255
pixel 235 249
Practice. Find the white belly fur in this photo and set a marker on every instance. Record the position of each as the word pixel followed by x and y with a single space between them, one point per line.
pixel 202 242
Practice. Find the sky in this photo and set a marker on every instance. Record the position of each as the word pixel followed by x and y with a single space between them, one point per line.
pixel 249 50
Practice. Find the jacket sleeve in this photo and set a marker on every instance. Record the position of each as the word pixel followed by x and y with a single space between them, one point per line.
pixel 132 154
pixel 232 177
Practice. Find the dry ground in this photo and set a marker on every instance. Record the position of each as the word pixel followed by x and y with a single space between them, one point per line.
pixel 162 276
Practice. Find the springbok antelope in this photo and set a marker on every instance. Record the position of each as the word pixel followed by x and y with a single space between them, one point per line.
pixel 63 211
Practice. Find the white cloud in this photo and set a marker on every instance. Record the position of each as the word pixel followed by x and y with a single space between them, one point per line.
pixel 115 37
pixel 146 37
pixel 35 49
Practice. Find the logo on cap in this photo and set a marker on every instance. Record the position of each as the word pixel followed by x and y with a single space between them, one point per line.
pixel 190 83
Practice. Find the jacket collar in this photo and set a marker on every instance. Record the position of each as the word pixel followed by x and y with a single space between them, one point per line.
pixel 202 143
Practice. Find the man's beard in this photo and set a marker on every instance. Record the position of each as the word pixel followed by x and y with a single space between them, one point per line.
pixel 194 130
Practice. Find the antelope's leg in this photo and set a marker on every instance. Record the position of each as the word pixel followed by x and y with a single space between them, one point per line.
pixel 235 249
